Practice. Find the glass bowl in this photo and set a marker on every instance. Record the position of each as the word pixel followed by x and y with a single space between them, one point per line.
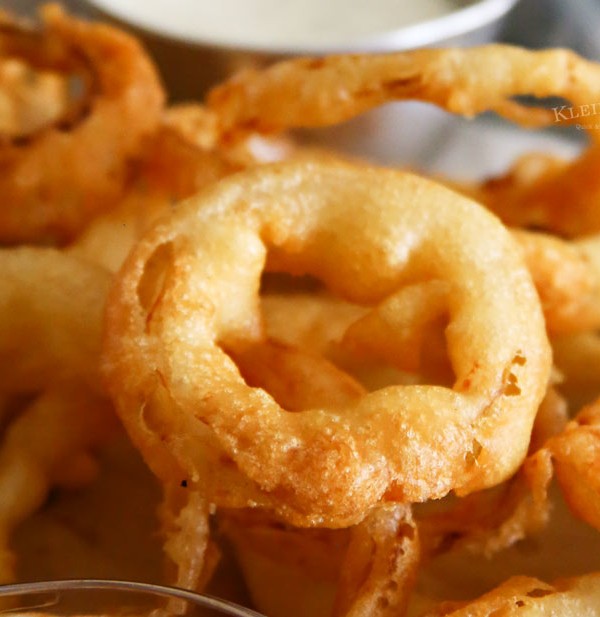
pixel 91 598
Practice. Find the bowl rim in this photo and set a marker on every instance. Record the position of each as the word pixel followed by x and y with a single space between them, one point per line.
pixel 475 15
pixel 205 601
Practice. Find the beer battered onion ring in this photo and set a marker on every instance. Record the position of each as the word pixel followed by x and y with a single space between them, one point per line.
pixel 54 181
pixel 523 595
pixel 189 291
pixel 557 196
pixel 311 92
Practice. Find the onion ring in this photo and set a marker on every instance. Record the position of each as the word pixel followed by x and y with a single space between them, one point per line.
pixel 379 564
pixel 185 527
pixel 29 100
pixel 523 595
pixel 51 319
pixel 547 193
pixel 57 179
pixel 311 92
pixel 171 169
pixel 317 323
pixel 200 126
pixel 490 521
pixel 576 455
pixel 567 277
pixel 37 454
pixel 365 232
pixel 577 358
pixel 364 571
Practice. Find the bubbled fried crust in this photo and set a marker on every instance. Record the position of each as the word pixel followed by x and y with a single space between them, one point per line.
pixel 363 231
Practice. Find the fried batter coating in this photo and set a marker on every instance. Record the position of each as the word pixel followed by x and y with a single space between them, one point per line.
pixel 49 444
pixel 57 179
pixel 365 232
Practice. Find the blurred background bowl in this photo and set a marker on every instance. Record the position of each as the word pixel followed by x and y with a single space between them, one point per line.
pixel 405 133
pixel 408 133
pixel 191 60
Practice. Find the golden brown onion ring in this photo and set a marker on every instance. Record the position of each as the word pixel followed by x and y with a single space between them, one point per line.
pixel 567 277
pixel 192 555
pixel 50 319
pixel 200 126
pixel 489 521
pixel 376 570
pixel 30 100
pixel 49 444
pixel 530 597
pixel 380 564
pixel 310 92
pixel 547 193
pixel 365 571
pixel 317 323
pixel 577 358
pixel 365 232
pixel 539 192
pixel 172 168
pixel 576 455
pixel 59 178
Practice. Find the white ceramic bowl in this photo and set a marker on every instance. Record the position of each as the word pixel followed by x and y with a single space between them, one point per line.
pixel 192 62
pixel 394 134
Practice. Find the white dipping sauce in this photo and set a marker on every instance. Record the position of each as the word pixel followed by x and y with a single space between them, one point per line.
pixel 277 23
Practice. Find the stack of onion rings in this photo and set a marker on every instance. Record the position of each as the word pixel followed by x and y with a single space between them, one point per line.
pixel 418 364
